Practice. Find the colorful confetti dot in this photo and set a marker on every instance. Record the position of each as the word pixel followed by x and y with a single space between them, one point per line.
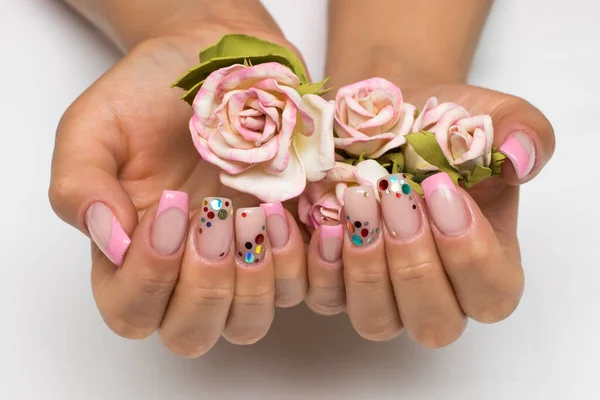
pixel 202 220
pixel 205 202
pixel 350 227
pixel 364 232
pixel 221 255
pixel 226 204
pixel 366 223
pixel 263 227
pixel 394 234
pixel 244 215
pixel 222 214
pixel 383 184
pixel 357 240
pixel 208 224
pixel 205 209
pixel 256 260
pixel 216 204
pixel 406 189
pixel 200 231
pixel 348 217
pixel 249 257
pixel 393 178
pixel 240 254
pixel 377 230
pixel 398 195
pixel 258 249
pixel 248 245
pixel 210 215
pixel 414 207
pixel 259 239
pixel 370 240
pixel 404 176
pixel 357 224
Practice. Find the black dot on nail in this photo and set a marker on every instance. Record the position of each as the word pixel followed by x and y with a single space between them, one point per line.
pixel 357 224
pixel 414 207
pixel 248 245
pixel 221 255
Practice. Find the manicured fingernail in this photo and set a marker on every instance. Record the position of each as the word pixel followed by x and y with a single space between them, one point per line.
pixel 171 222
pixel 520 150
pixel 362 215
pixel 399 207
pixel 330 246
pixel 216 228
pixel 250 230
pixel 446 207
pixel 277 227
pixel 107 233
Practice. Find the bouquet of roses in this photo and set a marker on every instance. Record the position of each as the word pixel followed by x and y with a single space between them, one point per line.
pixel 265 125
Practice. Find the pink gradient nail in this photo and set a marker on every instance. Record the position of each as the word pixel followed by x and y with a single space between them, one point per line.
pixel 447 208
pixel 520 150
pixel 401 214
pixel 107 233
pixel 170 227
pixel 332 239
pixel 277 227
pixel 362 215
pixel 215 233
pixel 250 230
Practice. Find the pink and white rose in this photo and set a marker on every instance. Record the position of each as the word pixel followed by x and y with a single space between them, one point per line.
pixel 323 201
pixel 371 118
pixel 465 140
pixel 268 140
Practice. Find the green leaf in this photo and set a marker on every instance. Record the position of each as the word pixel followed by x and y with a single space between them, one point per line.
pixel 239 49
pixel 475 176
pixel 497 161
pixel 397 161
pixel 425 144
pixel 314 88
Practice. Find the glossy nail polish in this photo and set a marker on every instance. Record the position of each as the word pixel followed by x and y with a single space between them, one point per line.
pixel 216 228
pixel 520 150
pixel 277 227
pixel 330 245
pixel 361 215
pixel 447 208
pixel 170 226
pixel 107 233
pixel 250 231
pixel 399 208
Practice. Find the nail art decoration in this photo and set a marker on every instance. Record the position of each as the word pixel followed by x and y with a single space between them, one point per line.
pixel 277 226
pixel 362 215
pixel 520 150
pixel 216 228
pixel 107 233
pixel 250 234
pixel 399 206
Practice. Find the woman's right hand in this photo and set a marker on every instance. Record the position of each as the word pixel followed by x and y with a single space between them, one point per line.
pixel 123 167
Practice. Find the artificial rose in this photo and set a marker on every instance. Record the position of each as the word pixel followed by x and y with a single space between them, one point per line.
pixel 267 139
pixel 466 141
pixel 371 118
pixel 323 201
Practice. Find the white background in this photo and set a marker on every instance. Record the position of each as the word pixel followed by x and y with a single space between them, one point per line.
pixel 53 344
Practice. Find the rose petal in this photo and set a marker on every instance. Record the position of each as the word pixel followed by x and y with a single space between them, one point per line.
pixel 431 114
pixel 304 209
pixel 356 113
pixel 206 99
pixel 358 146
pixel 483 122
pixel 475 150
pixel 201 144
pixel 266 186
pixel 341 172
pixel 379 123
pixel 343 130
pixel 288 124
pixel 229 113
pixel 401 129
pixel 219 146
pixel 392 91
pixel 368 172
pixel 442 129
pixel 316 152
pixel 249 76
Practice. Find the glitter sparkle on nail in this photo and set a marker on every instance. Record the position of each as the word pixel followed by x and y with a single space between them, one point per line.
pixel 357 240
pixel 216 204
pixel 249 257
pixel 222 214
pixel 258 249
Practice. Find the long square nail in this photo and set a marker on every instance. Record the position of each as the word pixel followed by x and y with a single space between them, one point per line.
pixel 107 233
pixel 520 150
pixel 277 226
pixel 401 214
pixel 331 243
pixel 170 226
pixel 447 208
pixel 250 231
pixel 361 215
pixel 215 233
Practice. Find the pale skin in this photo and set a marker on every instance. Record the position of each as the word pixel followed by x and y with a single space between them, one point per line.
pixel 135 132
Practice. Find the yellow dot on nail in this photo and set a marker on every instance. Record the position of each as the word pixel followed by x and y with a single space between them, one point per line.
pixel 258 249
pixel 366 194
pixel 205 202
pixel 394 234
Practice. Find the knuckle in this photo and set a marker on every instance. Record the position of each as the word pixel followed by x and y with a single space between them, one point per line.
pixel 435 335
pixel 473 260
pixel 379 328
pixel 495 311
pixel 128 327
pixel 289 292
pixel 414 272
pixel 215 295
pixel 185 347
pixel 327 300
pixel 257 299
pixel 156 285
pixel 368 277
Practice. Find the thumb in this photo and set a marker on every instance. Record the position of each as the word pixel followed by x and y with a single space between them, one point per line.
pixel 84 189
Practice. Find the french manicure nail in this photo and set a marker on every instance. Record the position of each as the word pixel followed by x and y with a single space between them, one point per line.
pixel 399 207
pixel 216 228
pixel 250 230
pixel 171 221
pixel 520 150
pixel 330 245
pixel 107 233
pixel 277 227
pixel 446 207
pixel 362 215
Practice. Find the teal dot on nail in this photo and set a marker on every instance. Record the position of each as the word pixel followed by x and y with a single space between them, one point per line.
pixel 377 230
pixel 357 240
pixel 202 220
pixel 249 257
pixel 406 189
pixel 263 228
pixel 393 178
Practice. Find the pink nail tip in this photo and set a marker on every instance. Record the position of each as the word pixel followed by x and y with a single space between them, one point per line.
pixel 118 244
pixel 173 199
pixel 521 158
pixel 328 231
pixel 437 181
pixel 273 209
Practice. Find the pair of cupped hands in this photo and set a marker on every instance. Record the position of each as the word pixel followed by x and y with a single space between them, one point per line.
pixel 126 174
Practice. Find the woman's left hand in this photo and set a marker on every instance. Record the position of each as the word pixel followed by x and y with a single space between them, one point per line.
pixel 427 265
